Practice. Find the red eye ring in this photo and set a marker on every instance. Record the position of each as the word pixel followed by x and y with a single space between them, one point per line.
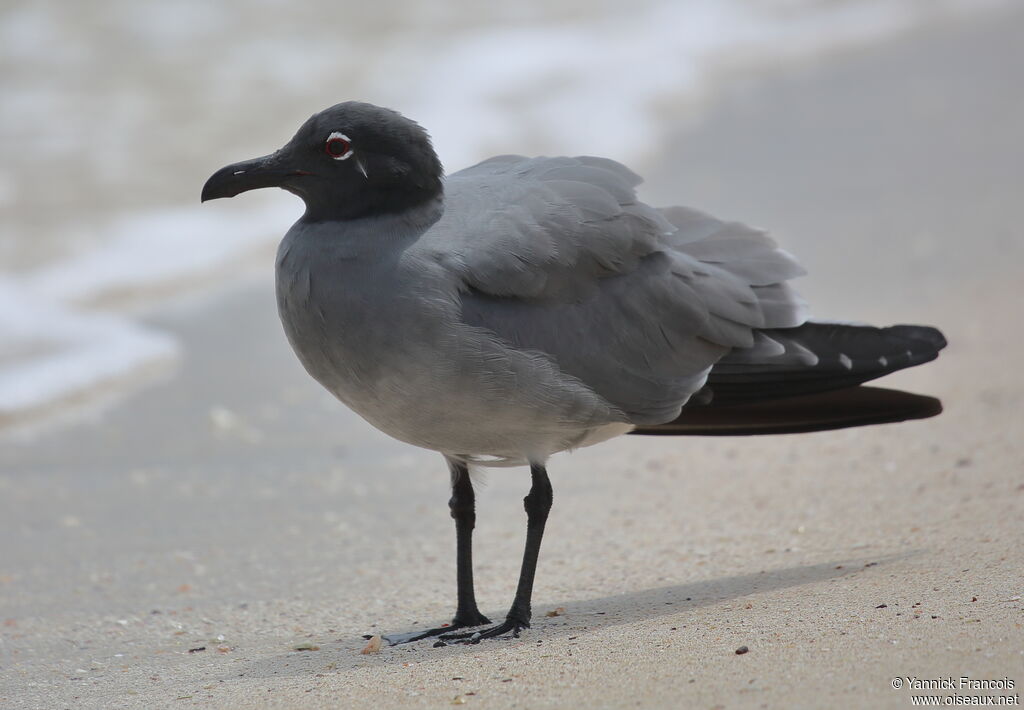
pixel 338 146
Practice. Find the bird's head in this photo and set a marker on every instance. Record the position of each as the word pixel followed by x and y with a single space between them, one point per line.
pixel 349 161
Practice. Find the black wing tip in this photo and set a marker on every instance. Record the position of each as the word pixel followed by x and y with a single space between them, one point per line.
pixel 922 333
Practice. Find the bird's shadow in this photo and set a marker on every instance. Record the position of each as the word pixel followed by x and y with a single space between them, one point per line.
pixel 581 617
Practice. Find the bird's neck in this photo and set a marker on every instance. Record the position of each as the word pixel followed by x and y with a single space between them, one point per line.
pixel 410 203
pixel 378 231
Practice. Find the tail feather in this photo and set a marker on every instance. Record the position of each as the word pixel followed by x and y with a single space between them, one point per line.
pixel 824 411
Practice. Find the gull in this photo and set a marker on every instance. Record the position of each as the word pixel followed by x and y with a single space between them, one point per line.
pixel 527 306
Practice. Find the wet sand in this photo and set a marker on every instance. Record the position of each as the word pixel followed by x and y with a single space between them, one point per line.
pixel 235 508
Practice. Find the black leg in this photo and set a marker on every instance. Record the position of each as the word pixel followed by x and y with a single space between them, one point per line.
pixel 462 505
pixel 537 504
pixel 463 510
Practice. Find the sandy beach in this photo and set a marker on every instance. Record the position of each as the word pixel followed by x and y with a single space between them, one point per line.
pixel 180 547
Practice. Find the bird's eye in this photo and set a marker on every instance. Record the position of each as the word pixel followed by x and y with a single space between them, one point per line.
pixel 338 146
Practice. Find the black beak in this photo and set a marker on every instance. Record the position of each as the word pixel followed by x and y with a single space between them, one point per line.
pixel 268 171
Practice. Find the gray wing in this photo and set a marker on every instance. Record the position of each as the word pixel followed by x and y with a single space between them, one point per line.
pixel 557 255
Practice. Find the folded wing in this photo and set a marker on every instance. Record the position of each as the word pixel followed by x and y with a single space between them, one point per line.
pixel 558 256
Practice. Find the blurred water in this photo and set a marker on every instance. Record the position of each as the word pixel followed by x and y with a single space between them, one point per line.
pixel 113 113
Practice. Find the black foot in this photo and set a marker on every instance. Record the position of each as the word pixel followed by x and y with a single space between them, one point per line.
pixel 461 621
pixel 509 625
pixel 471 618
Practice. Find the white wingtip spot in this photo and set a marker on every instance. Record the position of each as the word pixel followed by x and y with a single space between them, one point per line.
pixel 238 172
pixel 845 361
pixel 883 360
